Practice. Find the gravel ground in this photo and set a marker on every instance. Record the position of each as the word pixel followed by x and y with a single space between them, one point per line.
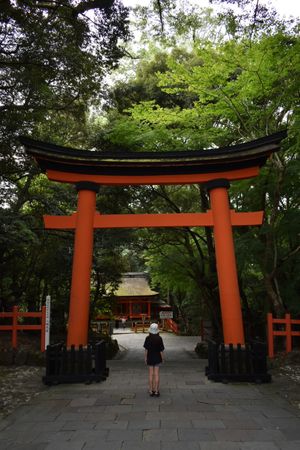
pixel 286 371
pixel 18 385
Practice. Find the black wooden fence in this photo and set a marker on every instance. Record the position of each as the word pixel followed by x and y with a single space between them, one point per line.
pixel 70 365
pixel 237 362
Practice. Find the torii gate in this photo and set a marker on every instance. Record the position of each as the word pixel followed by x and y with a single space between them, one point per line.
pixel 214 167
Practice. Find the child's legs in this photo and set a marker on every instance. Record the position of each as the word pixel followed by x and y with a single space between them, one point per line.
pixel 151 383
pixel 156 378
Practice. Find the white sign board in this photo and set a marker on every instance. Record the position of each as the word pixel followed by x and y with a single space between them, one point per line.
pixel 166 314
pixel 47 324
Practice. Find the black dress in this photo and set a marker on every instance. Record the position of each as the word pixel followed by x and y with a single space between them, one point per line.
pixel 154 344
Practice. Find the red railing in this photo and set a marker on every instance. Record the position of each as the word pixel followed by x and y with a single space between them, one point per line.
pixel 288 333
pixel 171 325
pixel 15 326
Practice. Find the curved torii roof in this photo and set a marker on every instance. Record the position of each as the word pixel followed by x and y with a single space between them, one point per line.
pixel 65 159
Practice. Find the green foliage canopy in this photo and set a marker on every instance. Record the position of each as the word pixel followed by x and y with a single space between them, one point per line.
pixel 218 93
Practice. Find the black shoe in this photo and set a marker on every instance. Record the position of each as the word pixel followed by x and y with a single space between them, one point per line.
pixel 156 394
pixel 151 393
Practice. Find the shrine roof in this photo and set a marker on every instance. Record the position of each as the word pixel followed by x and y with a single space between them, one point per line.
pixel 134 284
pixel 65 159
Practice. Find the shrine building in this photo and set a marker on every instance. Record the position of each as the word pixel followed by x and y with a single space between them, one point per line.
pixel 135 298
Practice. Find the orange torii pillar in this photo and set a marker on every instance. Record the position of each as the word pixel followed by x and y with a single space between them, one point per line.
pixel 82 264
pixel 232 319
pixel 86 219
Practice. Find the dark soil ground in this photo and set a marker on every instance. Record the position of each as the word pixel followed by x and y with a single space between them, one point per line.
pixel 285 370
pixel 18 385
pixel 21 383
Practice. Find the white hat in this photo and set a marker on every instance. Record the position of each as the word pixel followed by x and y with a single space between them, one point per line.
pixel 153 328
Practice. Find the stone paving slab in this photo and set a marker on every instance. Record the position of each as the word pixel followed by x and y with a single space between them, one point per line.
pixel 118 414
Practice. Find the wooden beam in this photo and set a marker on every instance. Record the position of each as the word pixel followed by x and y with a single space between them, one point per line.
pixel 125 180
pixel 154 220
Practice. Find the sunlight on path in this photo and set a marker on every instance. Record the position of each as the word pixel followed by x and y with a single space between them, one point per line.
pixel 177 348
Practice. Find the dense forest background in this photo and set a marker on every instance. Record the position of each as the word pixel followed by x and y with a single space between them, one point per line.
pixel 172 76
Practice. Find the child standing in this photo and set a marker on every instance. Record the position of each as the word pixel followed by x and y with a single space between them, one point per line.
pixel 154 348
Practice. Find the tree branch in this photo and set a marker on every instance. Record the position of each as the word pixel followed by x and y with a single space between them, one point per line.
pixel 93 4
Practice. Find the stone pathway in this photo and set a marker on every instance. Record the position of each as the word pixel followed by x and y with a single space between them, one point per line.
pixel 178 348
pixel 192 412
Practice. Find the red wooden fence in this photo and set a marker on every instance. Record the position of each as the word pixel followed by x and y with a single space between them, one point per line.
pixel 288 332
pixel 15 326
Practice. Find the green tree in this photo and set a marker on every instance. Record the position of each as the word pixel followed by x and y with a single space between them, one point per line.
pixel 53 56
pixel 237 88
